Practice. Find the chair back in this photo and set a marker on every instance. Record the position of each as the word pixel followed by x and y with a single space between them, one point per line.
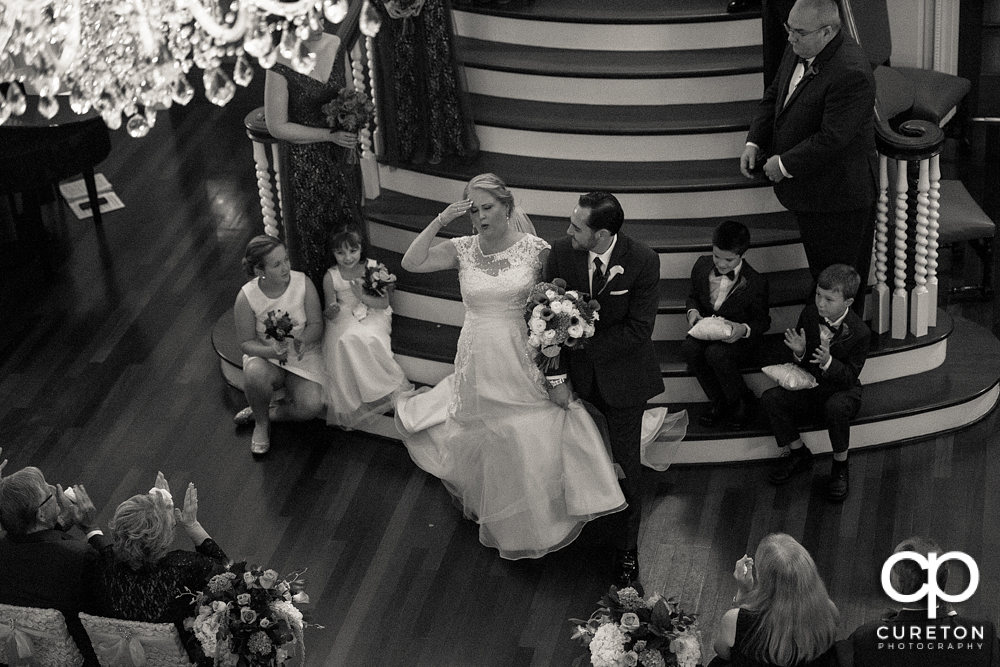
pixel 36 637
pixel 134 643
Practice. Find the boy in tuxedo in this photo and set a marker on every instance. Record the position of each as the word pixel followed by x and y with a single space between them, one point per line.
pixel 831 342
pixel 725 285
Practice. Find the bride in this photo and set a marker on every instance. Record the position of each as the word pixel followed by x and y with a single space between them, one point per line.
pixel 530 473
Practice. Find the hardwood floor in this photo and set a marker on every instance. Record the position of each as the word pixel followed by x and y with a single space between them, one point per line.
pixel 107 374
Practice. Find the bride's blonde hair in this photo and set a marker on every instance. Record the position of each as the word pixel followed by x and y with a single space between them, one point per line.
pixel 492 184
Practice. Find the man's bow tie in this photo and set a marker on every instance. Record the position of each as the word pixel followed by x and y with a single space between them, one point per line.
pixel 802 61
pixel 729 274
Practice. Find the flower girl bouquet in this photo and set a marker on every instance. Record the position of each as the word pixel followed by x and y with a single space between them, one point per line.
pixel 628 630
pixel 377 278
pixel 246 617
pixel 558 318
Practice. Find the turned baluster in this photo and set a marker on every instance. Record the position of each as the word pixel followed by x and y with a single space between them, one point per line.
pixel 268 178
pixel 919 301
pixel 899 295
pixel 369 167
pixel 880 293
pixel 933 217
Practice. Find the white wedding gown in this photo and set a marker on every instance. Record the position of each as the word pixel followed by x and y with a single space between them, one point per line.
pixel 530 473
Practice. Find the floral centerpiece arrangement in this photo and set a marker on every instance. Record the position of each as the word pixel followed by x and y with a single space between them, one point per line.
pixel 246 617
pixel 629 630
pixel 558 318
pixel 350 111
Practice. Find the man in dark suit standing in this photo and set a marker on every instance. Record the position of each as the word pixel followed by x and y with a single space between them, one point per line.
pixel 912 636
pixel 814 132
pixel 43 566
pixel 617 371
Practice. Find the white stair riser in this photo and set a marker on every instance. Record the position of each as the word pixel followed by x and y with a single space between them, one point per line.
pixel 612 148
pixel 573 90
pixel 673 265
pixel 608 37
pixel 637 206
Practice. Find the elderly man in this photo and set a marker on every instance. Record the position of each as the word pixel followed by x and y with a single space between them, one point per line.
pixel 814 137
pixel 42 565
pixel 915 635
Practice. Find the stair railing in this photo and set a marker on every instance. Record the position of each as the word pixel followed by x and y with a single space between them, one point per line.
pixel 897 310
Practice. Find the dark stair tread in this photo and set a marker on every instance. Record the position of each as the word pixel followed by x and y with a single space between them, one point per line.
pixel 786 287
pixel 603 11
pixel 582 63
pixel 588 175
pixel 666 235
pixel 603 119
pixel 971 369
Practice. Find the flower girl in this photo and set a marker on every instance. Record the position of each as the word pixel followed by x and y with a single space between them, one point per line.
pixel 363 378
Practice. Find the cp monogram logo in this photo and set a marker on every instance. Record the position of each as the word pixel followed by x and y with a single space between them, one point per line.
pixel 930 589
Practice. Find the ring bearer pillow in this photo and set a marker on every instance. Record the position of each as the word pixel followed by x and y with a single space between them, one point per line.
pixel 711 328
pixel 790 376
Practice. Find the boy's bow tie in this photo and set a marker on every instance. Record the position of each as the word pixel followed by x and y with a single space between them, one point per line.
pixel 729 274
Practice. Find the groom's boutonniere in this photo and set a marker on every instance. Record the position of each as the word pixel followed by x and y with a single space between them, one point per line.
pixel 615 270
pixel 811 71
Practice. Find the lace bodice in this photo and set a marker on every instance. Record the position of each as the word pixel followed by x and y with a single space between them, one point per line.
pixel 499 283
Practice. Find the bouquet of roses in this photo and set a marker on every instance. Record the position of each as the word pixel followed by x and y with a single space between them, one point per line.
pixel 246 617
pixel 558 318
pixel 350 110
pixel 278 325
pixel 627 630
pixel 377 278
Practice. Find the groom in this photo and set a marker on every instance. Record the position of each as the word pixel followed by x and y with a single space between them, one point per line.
pixel 617 371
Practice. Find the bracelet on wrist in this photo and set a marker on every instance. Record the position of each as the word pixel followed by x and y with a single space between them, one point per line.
pixel 555 382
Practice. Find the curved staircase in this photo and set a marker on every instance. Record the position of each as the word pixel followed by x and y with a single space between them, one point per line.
pixel 652 102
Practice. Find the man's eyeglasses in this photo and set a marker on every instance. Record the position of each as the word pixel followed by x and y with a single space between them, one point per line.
pixel 799 32
pixel 47 499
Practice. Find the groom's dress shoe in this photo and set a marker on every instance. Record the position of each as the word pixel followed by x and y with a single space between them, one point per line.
pixel 714 417
pixel 626 567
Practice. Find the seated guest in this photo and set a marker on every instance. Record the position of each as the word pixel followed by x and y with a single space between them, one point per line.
pixel 42 565
pixel 908 637
pixel 831 343
pixel 724 285
pixel 783 619
pixel 140 580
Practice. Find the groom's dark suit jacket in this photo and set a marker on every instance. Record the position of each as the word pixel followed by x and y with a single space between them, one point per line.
pixel 620 357
pixel 746 302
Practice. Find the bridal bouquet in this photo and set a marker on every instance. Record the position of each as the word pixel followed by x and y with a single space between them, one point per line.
pixel 278 326
pixel 246 617
pixel 377 278
pixel 558 318
pixel 628 630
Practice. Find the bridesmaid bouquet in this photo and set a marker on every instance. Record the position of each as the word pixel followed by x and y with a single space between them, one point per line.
pixel 279 327
pixel 629 630
pixel 558 318
pixel 350 111
pixel 246 617
pixel 377 279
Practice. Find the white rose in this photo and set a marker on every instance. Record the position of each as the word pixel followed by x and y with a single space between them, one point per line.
pixel 557 307
pixel 551 294
pixel 573 294
pixel 537 310
pixel 576 331
pixel 537 325
pixel 534 340
pixel 548 335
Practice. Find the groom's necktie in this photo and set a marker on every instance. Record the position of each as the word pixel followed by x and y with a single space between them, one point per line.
pixel 600 279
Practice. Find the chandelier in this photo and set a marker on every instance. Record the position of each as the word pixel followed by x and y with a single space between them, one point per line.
pixel 128 59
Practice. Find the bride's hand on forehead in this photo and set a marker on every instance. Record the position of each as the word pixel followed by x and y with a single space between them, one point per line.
pixel 454 211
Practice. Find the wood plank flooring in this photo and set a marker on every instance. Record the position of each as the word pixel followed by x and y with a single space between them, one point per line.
pixel 107 374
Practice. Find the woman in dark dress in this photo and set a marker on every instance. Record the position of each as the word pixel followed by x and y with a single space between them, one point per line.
pixel 424 112
pixel 140 580
pixel 783 619
pixel 325 187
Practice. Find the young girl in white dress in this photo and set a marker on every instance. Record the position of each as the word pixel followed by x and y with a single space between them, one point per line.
pixel 363 378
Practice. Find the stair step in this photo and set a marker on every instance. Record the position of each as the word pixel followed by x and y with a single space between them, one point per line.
pixel 633 12
pixel 589 64
pixel 957 389
pixel 620 120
